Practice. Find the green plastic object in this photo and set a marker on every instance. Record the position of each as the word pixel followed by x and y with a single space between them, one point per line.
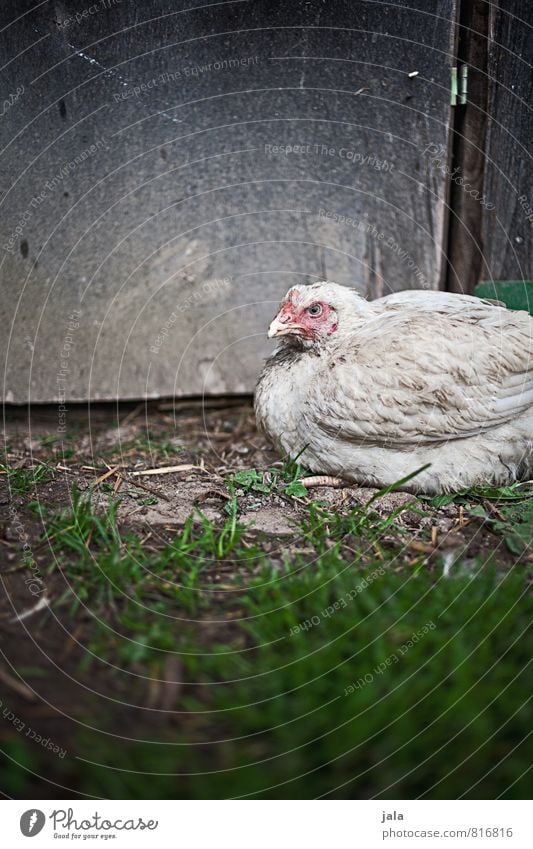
pixel 515 294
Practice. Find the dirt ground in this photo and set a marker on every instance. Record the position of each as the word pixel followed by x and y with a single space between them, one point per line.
pixel 111 449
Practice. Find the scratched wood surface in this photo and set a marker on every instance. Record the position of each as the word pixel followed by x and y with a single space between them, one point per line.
pixel 168 170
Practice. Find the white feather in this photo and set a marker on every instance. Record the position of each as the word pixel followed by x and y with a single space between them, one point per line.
pixel 413 378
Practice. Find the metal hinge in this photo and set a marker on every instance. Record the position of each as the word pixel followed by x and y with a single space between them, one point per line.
pixel 459 86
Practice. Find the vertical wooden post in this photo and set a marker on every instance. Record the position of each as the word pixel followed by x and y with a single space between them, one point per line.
pixel 469 127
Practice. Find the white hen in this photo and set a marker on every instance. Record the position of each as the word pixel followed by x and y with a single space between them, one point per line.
pixel 372 391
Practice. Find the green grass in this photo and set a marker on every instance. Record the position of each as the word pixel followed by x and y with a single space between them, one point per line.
pixel 158 446
pixel 282 480
pixel 57 446
pixel 339 666
pixel 24 480
pixel 155 446
pixel 448 718
pixel 519 491
pixel 307 718
pixel 514 522
pixel 127 588
pixel 507 511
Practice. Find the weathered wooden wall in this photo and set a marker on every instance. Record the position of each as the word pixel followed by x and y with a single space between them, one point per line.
pixel 508 229
pixel 168 171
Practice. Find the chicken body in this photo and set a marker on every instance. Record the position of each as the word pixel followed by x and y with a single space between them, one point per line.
pixel 372 391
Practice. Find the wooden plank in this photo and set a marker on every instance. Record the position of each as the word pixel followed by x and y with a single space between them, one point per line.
pixel 168 174
pixel 469 122
pixel 508 229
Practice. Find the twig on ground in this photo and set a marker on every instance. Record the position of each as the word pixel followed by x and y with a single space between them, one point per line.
pixel 422 547
pixel 168 470
pixel 71 642
pixel 106 475
pixel 41 604
pixel 17 686
pixel 149 489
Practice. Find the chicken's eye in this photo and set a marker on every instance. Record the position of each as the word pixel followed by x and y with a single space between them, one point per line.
pixel 314 310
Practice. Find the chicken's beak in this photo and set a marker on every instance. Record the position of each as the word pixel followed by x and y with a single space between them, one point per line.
pixel 277 327
pixel 284 324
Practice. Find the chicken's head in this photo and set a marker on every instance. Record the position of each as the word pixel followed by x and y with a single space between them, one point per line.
pixel 311 314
